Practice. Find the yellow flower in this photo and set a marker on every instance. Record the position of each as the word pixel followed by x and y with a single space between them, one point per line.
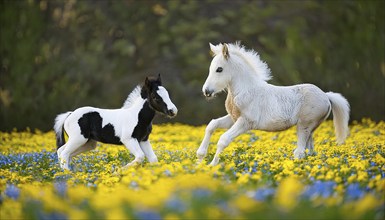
pixel 74 213
pixel 243 179
pixel 368 202
pixel 11 209
pixel 99 186
pixel 246 204
pixel 288 191
pixel 171 217
pixel 115 213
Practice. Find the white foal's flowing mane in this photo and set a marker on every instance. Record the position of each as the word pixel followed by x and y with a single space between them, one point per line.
pixel 132 97
pixel 251 57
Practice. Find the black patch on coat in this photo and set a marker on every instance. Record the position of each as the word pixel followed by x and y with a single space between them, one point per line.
pixel 91 128
pixel 144 127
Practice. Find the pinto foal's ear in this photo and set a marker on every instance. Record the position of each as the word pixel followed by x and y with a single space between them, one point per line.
pixel 147 82
pixel 159 79
pixel 225 51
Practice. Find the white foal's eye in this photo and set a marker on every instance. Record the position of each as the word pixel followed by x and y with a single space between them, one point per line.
pixel 219 69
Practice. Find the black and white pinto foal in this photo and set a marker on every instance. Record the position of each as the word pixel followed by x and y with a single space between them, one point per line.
pixel 130 125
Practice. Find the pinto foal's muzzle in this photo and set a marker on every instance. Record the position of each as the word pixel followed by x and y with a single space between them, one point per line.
pixel 172 112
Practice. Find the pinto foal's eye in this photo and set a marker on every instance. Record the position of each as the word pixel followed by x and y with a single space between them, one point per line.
pixel 219 69
pixel 155 98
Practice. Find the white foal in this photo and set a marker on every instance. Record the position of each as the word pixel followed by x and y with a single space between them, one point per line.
pixel 252 103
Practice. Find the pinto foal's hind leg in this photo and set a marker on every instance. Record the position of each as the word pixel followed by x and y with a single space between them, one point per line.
pixel 223 122
pixel 59 152
pixel 71 146
pixel 90 145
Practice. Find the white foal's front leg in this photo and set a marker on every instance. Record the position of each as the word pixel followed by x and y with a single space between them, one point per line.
pixel 148 151
pixel 223 122
pixel 133 146
pixel 239 127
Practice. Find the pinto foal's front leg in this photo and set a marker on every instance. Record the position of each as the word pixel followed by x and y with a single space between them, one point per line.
pixel 148 151
pixel 223 122
pixel 239 127
pixel 133 146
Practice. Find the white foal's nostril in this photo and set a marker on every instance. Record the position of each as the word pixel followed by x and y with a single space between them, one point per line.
pixel 208 93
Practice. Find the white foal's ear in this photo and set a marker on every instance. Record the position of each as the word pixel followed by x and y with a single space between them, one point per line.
pixel 225 51
pixel 212 50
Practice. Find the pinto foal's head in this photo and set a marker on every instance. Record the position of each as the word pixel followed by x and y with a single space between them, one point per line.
pixel 158 97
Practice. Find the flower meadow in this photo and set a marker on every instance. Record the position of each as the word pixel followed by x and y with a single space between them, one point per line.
pixel 257 177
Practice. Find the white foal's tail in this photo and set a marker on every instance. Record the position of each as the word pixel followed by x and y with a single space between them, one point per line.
pixel 58 127
pixel 341 111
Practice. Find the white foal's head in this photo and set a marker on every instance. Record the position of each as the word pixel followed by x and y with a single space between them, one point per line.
pixel 219 72
pixel 233 61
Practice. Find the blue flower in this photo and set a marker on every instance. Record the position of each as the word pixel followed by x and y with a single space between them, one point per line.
pixel 201 193
pixel 61 188
pixel 320 188
pixel 354 191
pixel 134 185
pixel 12 191
pixel 145 215
pixel 167 173
pixel 263 193
pixel 176 205
pixel 51 216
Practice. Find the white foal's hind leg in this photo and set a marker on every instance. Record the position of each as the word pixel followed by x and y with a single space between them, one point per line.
pixel 305 138
pixel 223 122
pixel 132 145
pixel 239 127
pixel 303 135
pixel 148 151
pixel 71 146
pixel 310 146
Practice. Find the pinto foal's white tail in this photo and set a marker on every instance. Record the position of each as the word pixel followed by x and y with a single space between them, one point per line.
pixel 341 110
pixel 58 127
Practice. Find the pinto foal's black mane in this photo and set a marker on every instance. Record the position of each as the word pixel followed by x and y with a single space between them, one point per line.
pixel 144 127
pixel 151 84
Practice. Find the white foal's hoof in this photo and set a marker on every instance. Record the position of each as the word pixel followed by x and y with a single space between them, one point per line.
pixel 312 153
pixel 201 154
pixel 299 154
pixel 199 161
pixel 214 162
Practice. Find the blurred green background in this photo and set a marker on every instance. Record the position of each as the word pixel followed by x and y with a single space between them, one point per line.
pixel 60 55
